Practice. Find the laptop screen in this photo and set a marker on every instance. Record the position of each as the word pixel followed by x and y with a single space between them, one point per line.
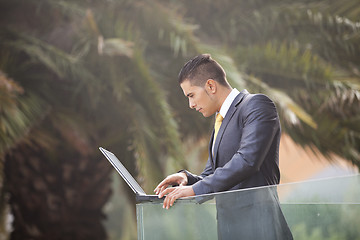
pixel 123 172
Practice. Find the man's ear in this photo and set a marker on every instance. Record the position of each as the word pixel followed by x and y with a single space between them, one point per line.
pixel 211 85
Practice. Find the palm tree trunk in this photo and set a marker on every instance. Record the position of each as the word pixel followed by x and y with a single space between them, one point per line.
pixel 56 200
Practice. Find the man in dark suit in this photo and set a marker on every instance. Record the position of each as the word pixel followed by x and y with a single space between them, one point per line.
pixel 243 151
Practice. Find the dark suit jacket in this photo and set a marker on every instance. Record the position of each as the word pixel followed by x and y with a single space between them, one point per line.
pixel 246 154
pixel 246 150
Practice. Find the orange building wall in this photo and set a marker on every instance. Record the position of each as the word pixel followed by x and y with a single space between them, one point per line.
pixel 298 164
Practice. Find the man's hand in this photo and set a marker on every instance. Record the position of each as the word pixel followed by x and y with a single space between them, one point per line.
pixel 174 193
pixel 173 179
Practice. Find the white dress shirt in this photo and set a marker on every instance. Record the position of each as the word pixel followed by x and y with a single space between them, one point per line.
pixel 225 107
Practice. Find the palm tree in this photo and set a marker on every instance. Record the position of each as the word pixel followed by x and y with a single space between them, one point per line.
pixel 73 94
pixel 308 50
pixel 80 74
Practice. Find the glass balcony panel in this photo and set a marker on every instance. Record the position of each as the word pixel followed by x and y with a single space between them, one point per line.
pixel 319 209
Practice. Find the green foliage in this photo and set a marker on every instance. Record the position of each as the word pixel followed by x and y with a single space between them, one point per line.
pixel 70 95
pixel 79 74
pixel 19 113
pixel 323 221
pixel 304 55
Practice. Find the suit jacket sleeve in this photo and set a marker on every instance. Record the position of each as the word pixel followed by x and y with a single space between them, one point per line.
pixel 192 178
pixel 260 123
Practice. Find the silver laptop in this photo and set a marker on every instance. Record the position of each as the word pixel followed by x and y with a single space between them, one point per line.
pixel 141 196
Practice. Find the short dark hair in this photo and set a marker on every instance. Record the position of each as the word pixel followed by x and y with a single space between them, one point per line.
pixel 201 68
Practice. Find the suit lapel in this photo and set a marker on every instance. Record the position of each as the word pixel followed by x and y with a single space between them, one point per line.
pixel 229 115
pixel 210 150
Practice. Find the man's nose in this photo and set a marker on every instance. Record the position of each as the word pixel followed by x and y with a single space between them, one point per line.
pixel 191 104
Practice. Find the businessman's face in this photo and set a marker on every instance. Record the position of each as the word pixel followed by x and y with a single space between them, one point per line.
pixel 200 98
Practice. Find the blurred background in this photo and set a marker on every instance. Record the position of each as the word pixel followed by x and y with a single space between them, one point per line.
pixel 79 74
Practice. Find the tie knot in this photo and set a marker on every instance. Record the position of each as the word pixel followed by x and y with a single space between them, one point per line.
pixel 219 118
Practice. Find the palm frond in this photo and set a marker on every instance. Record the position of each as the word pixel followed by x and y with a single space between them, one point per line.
pixel 62 64
pixel 284 63
pixel 153 115
pixel 19 112
pixel 15 123
pixel 290 111
pixel 344 100
pixel 348 8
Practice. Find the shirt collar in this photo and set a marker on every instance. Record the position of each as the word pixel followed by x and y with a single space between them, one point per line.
pixel 228 101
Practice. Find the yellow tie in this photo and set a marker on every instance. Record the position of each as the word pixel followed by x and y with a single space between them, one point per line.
pixel 218 122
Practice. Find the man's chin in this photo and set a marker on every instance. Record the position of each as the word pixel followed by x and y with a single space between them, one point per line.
pixel 206 115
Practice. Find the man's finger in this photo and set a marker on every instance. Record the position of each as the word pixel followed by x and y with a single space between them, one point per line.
pixel 159 188
pixel 171 196
pixel 166 191
pixel 161 184
pixel 172 199
pixel 174 193
pixel 161 192
pixel 169 200
pixel 165 203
